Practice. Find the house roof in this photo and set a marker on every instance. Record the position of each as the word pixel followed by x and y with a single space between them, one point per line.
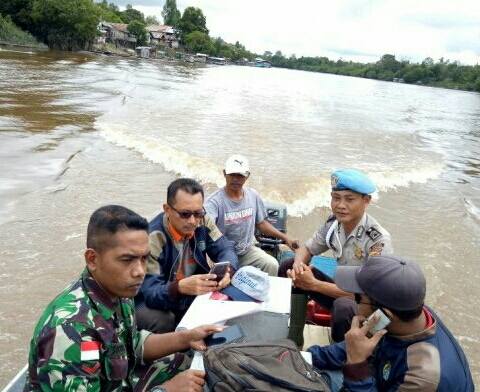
pixel 118 26
pixel 160 29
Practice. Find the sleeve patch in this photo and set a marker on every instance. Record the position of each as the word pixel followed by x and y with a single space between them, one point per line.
pixel 89 351
pixel 376 249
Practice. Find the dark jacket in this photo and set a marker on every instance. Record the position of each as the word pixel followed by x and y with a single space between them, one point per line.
pixel 160 287
pixel 431 360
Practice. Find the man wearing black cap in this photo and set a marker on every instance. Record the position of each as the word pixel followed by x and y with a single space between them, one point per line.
pixel 415 351
pixel 351 235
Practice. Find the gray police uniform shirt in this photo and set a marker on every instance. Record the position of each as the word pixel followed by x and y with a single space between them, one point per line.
pixel 368 238
pixel 237 219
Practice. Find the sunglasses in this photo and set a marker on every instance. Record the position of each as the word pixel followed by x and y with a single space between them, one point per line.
pixel 358 300
pixel 187 214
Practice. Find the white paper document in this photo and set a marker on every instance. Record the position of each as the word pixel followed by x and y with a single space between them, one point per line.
pixel 209 311
pixel 197 361
pixel 204 310
pixel 278 300
pixel 307 355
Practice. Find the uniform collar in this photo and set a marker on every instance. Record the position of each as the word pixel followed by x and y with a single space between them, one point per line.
pixel 177 237
pixel 98 296
pixel 359 229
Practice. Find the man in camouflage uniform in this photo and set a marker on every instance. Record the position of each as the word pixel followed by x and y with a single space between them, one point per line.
pixel 87 340
pixel 352 236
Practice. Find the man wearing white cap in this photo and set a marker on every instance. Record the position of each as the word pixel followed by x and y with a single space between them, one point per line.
pixel 352 236
pixel 238 210
pixel 415 351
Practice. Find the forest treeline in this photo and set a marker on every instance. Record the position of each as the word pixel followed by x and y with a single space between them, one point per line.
pixel 73 25
pixel 442 73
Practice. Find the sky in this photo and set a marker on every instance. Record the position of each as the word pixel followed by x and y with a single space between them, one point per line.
pixel 356 30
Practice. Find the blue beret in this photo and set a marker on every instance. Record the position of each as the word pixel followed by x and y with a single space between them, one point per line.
pixel 353 180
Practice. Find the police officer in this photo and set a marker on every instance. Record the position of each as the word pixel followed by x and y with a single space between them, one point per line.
pixel 352 236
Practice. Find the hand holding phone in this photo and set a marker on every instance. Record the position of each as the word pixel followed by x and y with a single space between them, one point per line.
pixel 220 269
pixel 382 322
pixel 231 334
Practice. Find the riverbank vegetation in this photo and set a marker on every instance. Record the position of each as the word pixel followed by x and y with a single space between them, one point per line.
pixel 73 25
pixel 442 73
pixel 10 34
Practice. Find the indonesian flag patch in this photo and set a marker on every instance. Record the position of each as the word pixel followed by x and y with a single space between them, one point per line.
pixel 89 351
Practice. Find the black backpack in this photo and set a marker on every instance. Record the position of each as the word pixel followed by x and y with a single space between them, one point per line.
pixel 271 366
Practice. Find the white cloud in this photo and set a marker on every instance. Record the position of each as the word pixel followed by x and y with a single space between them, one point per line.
pixel 358 30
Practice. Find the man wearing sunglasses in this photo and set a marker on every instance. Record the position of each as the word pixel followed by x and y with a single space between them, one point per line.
pixel 238 211
pixel 415 351
pixel 180 239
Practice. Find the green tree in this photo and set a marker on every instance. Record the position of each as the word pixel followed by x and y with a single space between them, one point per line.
pixel 137 29
pixel 198 42
pixel 19 11
pixel 388 63
pixel 151 20
pixel 170 14
pixel 130 14
pixel 66 24
pixel 414 74
pixel 109 12
pixel 428 62
pixel 192 20
pixel 11 33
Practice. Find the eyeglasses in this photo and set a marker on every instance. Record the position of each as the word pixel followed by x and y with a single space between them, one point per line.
pixel 187 214
pixel 358 300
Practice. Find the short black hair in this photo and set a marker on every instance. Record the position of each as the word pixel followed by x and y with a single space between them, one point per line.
pixel 408 315
pixel 187 185
pixel 404 315
pixel 109 220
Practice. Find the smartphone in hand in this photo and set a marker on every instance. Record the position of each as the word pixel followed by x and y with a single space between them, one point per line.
pixel 220 269
pixel 382 323
pixel 231 334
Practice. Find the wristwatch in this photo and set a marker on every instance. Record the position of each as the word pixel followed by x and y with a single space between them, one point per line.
pixel 158 389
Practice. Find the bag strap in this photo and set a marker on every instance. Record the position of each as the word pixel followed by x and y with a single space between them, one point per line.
pixel 275 380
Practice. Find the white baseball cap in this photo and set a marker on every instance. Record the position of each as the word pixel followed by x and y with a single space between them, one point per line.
pixel 237 164
pixel 248 284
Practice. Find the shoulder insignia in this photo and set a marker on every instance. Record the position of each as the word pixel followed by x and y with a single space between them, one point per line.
pixel 373 233
pixel 360 231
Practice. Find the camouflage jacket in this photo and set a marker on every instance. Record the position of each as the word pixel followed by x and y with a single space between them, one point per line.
pixel 84 342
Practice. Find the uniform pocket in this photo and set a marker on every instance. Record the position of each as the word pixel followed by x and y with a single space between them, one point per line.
pixel 116 362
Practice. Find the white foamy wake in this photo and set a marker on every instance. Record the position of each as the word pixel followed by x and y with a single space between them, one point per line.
pixel 173 160
pixel 311 194
pixel 317 194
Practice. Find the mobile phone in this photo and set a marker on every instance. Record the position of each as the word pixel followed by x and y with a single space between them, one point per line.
pixel 383 321
pixel 231 334
pixel 220 269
